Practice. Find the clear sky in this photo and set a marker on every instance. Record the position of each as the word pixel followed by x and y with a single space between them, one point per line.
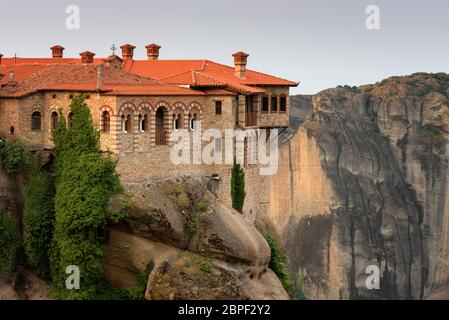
pixel 321 43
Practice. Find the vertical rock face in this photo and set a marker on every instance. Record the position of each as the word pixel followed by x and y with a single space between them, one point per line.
pixel 363 182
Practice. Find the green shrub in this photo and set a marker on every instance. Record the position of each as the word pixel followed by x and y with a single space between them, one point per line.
pixel 38 221
pixel 178 195
pixel 238 187
pixel 298 287
pixel 15 156
pixel 9 243
pixel 137 292
pixel 278 262
pixel 194 222
pixel 425 90
pixel 207 267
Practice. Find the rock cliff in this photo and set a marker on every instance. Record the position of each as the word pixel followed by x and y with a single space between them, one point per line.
pixel 194 246
pixel 367 185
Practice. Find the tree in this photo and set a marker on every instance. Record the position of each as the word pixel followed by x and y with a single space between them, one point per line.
pixel 238 187
pixel 85 181
pixel 15 156
pixel 9 243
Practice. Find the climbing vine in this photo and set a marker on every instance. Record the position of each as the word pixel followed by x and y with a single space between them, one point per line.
pixel 9 243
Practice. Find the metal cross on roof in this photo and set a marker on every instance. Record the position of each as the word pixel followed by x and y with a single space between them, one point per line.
pixel 113 48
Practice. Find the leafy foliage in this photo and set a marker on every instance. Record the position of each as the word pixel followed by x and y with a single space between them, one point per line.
pixel 238 187
pixel 194 222
pixel 15 156
pixel 85 181
pixel 9 243
pixel 278 262
pixel 207 267
pixel 38 221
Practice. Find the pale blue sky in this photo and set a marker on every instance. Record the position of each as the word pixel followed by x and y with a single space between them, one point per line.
pixel 322 43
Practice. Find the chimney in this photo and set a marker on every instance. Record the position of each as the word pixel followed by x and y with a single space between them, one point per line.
pixel 127 51
pixel 87 57
pixel 153 51
pixel 240 64
pixel 100 76
pixel 56 51
pixel 1 58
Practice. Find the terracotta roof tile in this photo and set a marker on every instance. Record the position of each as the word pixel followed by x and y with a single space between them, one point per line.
pixel 78 77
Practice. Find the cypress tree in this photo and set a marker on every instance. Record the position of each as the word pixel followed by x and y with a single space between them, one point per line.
pixel 238 187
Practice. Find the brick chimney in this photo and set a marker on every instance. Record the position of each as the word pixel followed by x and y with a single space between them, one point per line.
pixel 100 76
pixel 57 51
pixel 127 51
pixel 1 58
pixel 240 59
pixel 87 57
pixel 153 51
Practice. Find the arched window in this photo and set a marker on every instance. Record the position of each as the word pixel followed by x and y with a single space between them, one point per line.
pixel 143 122
pixel 36 120
pixel 128 124
pixel 54 120
pixel 105 121
pixel 193 121
pixel 177 121
pixel 70 120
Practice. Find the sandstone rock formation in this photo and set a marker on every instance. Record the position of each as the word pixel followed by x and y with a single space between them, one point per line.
pixel 193 245
pixel 367 185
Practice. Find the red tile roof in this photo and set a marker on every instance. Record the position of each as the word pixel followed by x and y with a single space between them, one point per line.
pixel 202 73
pixel 78 77
pixel 199 74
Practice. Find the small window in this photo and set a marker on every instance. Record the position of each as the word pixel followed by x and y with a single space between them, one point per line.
pixel 87 97
pixel 274 104
pixel 70 120
pixel 143 123
pixel 265 104
pixel 128 124
pixel 53 96
pixel 218 105
pixel 177 121
pixel 54 120
pixel 36 121
pixel 106 121
pixel 11 130
pixel 193 121
pixel 283 104
pixel 71 96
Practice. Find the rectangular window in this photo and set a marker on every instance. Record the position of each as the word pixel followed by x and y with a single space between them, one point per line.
pixel 283 104
pixel 274 104
pixel 265 103
pixel 218 105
